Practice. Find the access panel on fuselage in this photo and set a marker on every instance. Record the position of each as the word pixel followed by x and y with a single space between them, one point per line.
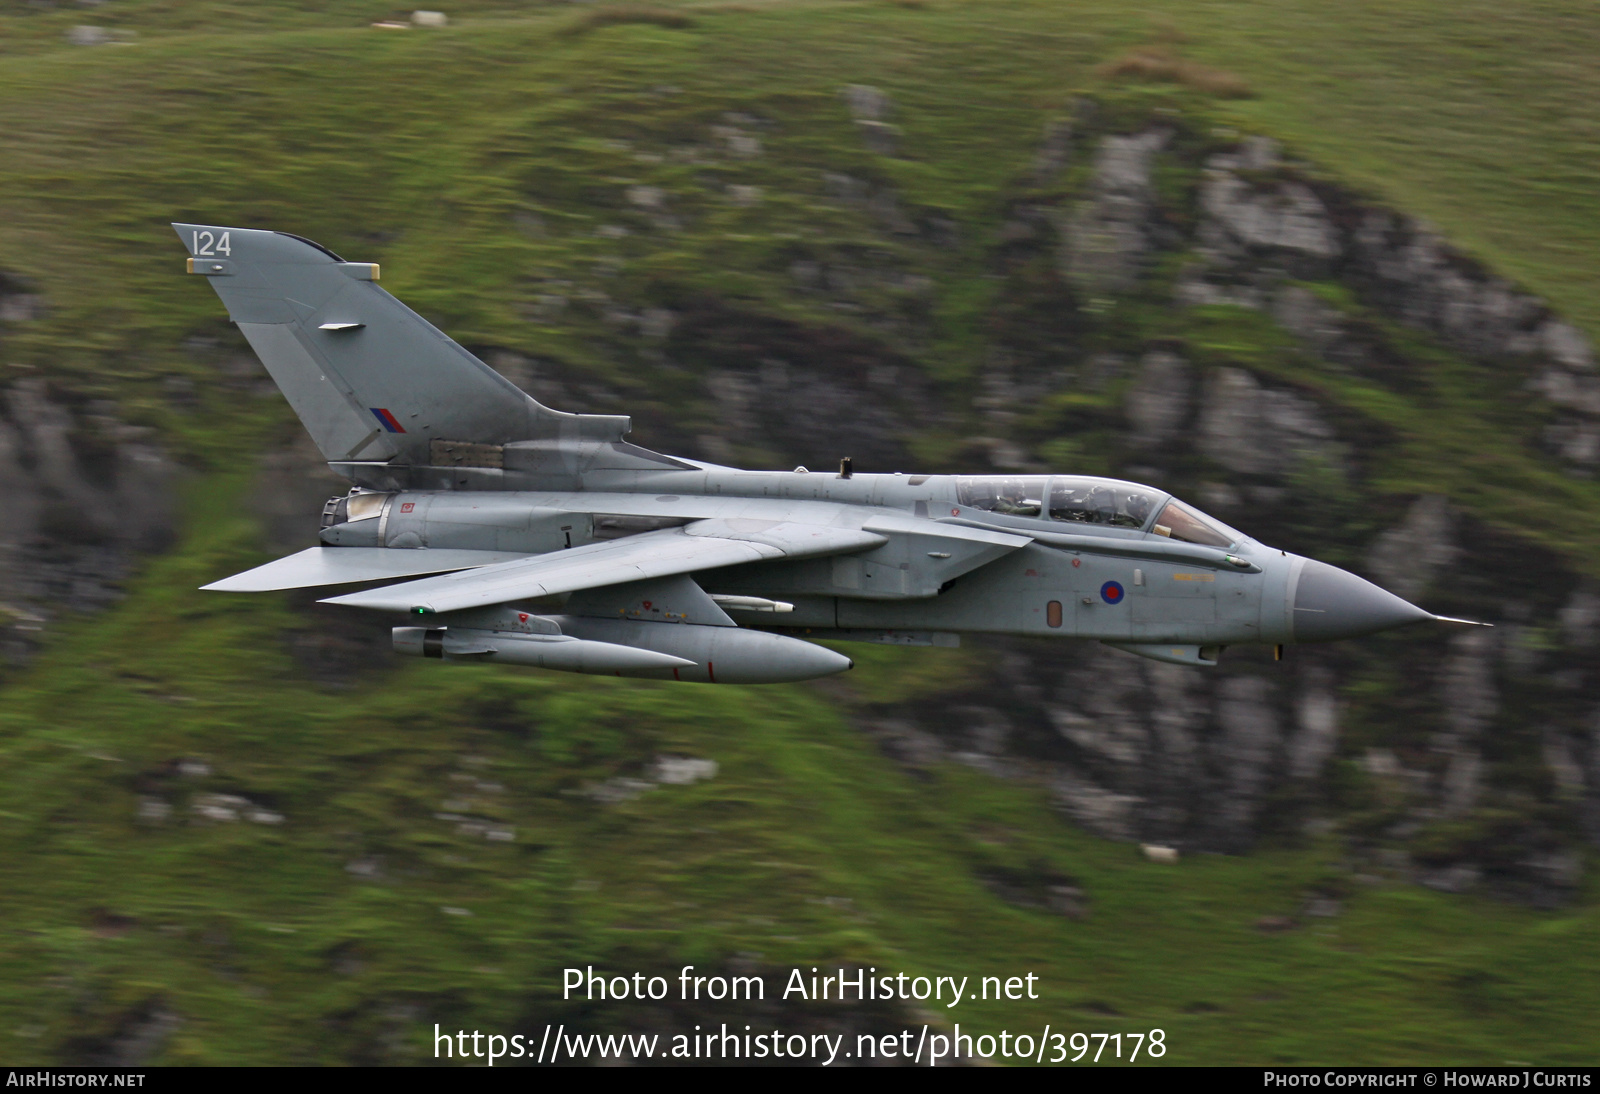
pixel 1175 594
pixel 1006 596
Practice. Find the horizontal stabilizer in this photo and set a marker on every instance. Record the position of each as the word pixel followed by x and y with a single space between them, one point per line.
pixel 346 565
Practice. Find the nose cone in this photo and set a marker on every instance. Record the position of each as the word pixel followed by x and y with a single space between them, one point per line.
pixel 1330 603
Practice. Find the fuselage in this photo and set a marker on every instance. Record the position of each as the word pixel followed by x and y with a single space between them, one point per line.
pixel 470 485
pixel 1100 563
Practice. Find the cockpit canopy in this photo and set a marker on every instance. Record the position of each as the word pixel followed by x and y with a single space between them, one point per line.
pixel 1076 499
pixel 1058 497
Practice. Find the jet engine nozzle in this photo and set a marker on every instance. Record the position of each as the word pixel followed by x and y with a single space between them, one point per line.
pixel 1330 603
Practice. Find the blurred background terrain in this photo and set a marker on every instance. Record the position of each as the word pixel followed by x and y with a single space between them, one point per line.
pixel 1327 271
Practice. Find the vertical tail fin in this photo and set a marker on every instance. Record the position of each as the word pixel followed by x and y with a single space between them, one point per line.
pixel 370 379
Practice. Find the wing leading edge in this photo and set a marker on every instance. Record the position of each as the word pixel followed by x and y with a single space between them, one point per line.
pixel 703 545
pixel 347 565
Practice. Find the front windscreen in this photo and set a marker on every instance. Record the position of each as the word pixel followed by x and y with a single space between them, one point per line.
pixel 1061 498
pixel 1180 522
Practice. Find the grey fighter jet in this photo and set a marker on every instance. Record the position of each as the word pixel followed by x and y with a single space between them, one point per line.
pixel 499 530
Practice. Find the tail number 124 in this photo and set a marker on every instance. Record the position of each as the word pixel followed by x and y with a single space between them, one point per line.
pixel 206 244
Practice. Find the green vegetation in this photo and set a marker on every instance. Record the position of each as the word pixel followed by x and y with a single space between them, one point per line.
pixel 522 176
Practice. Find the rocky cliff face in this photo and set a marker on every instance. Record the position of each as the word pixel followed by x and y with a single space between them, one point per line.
pixel 1454 759
pixel 83 493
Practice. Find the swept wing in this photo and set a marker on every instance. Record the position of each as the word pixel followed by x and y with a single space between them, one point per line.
pixel 348 565
pixel 703 545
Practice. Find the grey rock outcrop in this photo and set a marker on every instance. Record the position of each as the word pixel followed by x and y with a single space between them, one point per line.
pixel 1258 225
pixel 1159 401
pixel 780 405
pixel 1467 689
pixel 1471 700
pixel 1300 312
pixel 1580 617
pixel 1262 223
pixel 1251 429
pixel 867 103
pixel 85 494
pixel 1407 270
pixel 18 303
pixel 870 108
pixel 1108 237
pixel 1316 717
pixel 1250 741
pixel 1430 285
pixel 1282 220
pixel 1055 151
pixel 1102 811
pixel 1405 558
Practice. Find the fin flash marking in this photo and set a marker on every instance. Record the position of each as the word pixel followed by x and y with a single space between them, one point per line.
pixel 387 420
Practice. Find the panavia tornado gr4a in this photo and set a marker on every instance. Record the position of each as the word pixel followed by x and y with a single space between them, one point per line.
pixel 498 530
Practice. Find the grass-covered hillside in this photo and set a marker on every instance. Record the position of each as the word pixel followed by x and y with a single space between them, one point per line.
pixel 237 831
